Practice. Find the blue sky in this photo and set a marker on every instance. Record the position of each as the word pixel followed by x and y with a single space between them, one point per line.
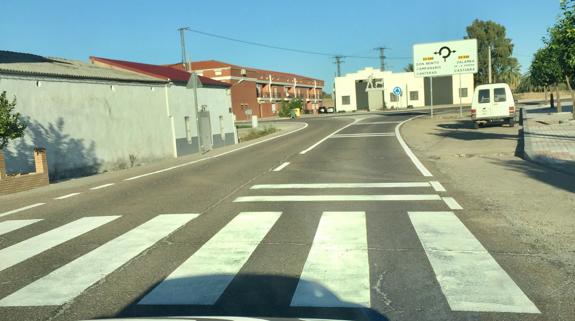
pixel 145 31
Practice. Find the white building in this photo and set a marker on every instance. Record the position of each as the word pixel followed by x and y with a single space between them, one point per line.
pixel 372 89
pixel 94 118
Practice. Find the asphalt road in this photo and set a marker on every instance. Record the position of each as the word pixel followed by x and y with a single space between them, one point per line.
pixel 349 229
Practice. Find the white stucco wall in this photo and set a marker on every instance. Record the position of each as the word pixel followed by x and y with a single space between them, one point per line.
pixel 88 126
pixel 345 86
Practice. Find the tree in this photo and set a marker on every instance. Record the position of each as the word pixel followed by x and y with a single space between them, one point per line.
pixel 504 66
pixel 545 71
pixel 561 42
pixel 286 107
pixel 408 68
pixel 11 125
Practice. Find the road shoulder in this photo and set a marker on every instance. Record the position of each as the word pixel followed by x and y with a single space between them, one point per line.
pixel 519 210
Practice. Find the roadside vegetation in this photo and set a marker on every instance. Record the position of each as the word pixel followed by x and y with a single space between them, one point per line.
pixel 287 107
pixel 258 132
pixel 11 124
pixel 554 64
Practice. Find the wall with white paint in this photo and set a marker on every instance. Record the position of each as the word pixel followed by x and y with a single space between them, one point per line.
pixel 92 126
pixel 345 86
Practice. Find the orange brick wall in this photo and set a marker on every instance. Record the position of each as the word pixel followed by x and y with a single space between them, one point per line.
pixel 19 183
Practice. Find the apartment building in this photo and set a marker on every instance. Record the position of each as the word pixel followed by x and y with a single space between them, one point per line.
pixel 260 92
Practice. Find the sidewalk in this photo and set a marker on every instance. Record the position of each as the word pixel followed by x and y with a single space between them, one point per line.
pixel 549 139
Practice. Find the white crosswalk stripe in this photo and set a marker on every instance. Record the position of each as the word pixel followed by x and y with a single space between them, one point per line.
pixel 336 198
pixel 69 281
pixel 338 262
pixel 26 249
pixel 341 185
pixel 206 274
pixel 12 225
pixel 469 276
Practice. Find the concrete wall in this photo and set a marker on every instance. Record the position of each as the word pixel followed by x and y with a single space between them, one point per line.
pixel 346 86
pixel 89 127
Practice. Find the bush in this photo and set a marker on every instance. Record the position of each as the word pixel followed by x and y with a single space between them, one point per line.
pixel 286 108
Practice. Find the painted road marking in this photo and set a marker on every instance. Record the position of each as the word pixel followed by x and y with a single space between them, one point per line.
pixel 452 203
pixel 66 196
pixel 337 262
pixel 363 135
pixel 282 166
pixel 336 198
pixel 377 123
pixel 101 186
pixel 21 209
pixel 341 185
pixel 422 169
pixel 216 156
pixel 26 249
pixel 9 226
pixel 203 277
pixel 469 276
pixel 72 279
pixel 326 137
pixel 437 186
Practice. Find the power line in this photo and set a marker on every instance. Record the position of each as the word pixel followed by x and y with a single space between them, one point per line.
pixel 259 44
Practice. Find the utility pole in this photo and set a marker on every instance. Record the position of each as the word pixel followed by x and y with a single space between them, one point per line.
pixel 194 78
pixel 185 63
pixel 381 58
pixel 338 62
pixel 489 63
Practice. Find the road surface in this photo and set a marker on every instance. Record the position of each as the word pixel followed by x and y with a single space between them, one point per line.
pixel 339 220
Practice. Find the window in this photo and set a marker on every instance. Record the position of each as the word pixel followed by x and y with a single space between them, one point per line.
pixel 345 100
pixel 499 95
pixel 462 92
pixel 218 72
pixel 483 96
pixel 414 95
pixel 188 129
pixel 393 98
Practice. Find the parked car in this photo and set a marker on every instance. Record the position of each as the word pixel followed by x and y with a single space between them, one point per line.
pixel 331 110
pixel 322 110
pixel 493 103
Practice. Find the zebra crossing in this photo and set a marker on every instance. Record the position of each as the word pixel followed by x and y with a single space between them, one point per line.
pixel 338 260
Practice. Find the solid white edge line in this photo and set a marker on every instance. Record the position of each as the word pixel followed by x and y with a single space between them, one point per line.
pixel 452 203
pixel 282 166
pixel 218 155
pixel 66 196
pixel 326 137
pixel 21 209
pixel 422 169
pixel 101 186
pixel 437 186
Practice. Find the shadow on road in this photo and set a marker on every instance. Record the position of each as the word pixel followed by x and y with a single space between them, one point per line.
pixel 248 295
pixel 556 178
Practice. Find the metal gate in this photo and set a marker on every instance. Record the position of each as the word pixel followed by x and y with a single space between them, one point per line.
pixel 205 131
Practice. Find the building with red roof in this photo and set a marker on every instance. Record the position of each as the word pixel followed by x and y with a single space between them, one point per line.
pixel 258 91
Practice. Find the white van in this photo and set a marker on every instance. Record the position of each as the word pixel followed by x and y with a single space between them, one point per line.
pixel 493 102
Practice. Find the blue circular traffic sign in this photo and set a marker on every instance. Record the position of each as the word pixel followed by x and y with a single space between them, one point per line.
pixel 397 91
